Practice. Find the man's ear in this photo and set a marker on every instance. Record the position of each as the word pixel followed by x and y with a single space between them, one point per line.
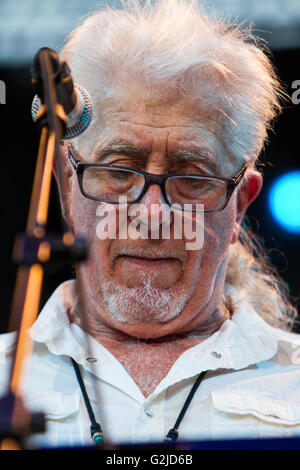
pixel 249 190
pixel 64 184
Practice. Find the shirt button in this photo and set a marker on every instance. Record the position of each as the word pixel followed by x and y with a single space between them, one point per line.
pixel 216 355
pixel 148 411
pixel 91 359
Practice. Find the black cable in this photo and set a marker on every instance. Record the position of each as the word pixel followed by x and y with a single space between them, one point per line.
pixel 96 431
pixel 173 432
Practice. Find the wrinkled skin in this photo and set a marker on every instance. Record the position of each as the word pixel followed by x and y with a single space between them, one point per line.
pixel 154 298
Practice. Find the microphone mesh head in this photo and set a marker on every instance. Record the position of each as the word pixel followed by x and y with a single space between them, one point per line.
pixel 85 118
pixel 83 121
pixel 35 106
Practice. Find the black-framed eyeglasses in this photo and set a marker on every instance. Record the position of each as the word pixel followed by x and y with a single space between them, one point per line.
pixel 109 183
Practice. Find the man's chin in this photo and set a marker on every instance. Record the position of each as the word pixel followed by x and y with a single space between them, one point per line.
pixel 147 303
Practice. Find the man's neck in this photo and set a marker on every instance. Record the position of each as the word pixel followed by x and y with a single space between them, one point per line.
pixel 149 360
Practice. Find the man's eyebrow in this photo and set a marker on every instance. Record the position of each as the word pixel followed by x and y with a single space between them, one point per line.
pixel 198 155
pixel 121 146
pixel 194 154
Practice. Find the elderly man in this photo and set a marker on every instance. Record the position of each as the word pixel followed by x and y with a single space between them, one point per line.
pixel 181 107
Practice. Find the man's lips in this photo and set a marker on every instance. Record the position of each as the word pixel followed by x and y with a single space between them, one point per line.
pixel 149 255
pixel 146 261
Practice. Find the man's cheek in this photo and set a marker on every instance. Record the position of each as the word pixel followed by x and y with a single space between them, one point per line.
pixel 194 231
pixel 106 222
pixel 84 216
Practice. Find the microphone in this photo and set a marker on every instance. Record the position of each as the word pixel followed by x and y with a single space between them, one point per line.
pixel 74 99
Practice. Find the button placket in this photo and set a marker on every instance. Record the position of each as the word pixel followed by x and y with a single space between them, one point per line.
pixel 144 429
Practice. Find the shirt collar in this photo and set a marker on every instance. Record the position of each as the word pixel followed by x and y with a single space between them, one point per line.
pixel 244 340
pixel 53 327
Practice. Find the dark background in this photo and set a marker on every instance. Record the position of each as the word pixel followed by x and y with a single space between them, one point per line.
pixel 19 144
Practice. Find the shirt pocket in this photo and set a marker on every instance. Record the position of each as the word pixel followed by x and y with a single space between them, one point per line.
pixel 61 420
pixel 244 414
pixel 55 405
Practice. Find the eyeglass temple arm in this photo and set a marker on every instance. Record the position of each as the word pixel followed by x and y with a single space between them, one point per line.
pixel 74 162
pixel 238 178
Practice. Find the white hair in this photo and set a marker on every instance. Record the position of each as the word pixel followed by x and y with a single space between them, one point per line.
pixel 173 46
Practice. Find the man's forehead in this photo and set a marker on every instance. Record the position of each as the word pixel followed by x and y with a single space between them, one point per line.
pixel 190 152
pixel 138 125
pixel 143 125
pixel 160 111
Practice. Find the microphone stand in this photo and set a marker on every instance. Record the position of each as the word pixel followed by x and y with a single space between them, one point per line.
pixel 32 251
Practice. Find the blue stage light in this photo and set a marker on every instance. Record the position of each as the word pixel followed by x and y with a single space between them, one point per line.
pixel 284 200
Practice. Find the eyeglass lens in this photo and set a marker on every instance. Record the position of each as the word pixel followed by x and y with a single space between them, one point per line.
pixel 108 184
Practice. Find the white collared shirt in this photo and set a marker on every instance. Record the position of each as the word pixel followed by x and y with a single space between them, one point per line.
pixel 251 389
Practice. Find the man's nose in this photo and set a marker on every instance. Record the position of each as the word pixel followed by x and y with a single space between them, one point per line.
pixel 154 212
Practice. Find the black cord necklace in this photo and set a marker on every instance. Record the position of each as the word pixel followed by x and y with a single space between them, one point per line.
pixel 96 431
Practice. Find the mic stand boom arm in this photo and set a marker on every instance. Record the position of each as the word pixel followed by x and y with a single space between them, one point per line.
pixel 34 250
